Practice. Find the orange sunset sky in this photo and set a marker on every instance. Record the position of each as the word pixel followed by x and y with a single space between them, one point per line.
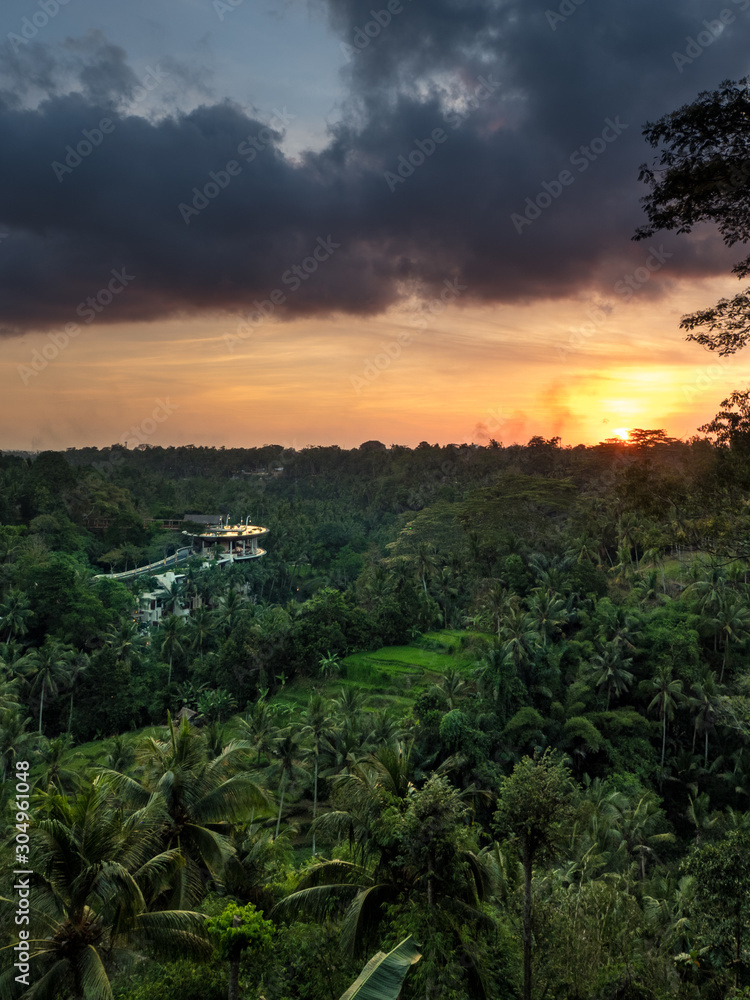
pixel 507 372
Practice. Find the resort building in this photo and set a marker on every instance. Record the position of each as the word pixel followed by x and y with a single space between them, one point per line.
pixel 154 604
pixel 228 543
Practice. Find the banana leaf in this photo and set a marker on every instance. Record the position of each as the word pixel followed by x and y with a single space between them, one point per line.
pixel 383 976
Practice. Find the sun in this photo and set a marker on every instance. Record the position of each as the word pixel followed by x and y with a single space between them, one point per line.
pixel 622 432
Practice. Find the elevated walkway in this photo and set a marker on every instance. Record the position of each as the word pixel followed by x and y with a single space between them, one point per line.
pixel 179 556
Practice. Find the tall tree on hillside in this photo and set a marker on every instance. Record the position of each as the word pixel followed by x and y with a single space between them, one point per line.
pixel 666 691
pixel 732 622
pixel 171 641
pixel 704 700
pixel 47 669
pixel 285 767
pixel 200 629
pixel 533 803
pixel 315 732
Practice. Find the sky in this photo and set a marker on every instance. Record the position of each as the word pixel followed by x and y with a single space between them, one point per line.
pixel 276 221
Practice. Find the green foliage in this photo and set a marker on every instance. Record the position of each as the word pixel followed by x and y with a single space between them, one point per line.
pixel 179 980
pixel 239 929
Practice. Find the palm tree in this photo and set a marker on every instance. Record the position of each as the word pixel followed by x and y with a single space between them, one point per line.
pixel 200 629
pixel 446 591
pixel 124 640
pixel 700 815
pixel 199 798
pixel 666 691
pixel 79 666
pixel 705 700
pixel 55 758
pixel 48 667
pixel 259 727
pixel 171 627
pixel 634 827
pixel 610 671
pixel 317 729
pixel 15 737
pixel 230 610
pixel 732 623
pixel 15 614
pixel 519 638
pixel 548 612
pixel 348 707
pixel 285 767
pixel 424 562
pixel 497 602
pixel 93 876
pixel 452 687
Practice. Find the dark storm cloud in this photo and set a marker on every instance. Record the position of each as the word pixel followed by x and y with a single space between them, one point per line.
pixel 463 119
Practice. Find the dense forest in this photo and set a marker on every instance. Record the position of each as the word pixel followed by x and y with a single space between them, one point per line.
pixel 552 803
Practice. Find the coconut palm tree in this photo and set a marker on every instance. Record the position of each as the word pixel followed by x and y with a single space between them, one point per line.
pixel 285 767
pixel 705 699
pixel 666 692
pixel 424 563
pixel 732 623
pixel 15 614
pixel 200 629
pixel 316 731
pixel 453 687
pixel 78 668
pixel 520 638
pixel 171 645
pixel 47 668
pixel 15 737
pixel 94 874
pixel 259 728
pixel 54 759
pixel 548 612
pixel 610 671
pixel 200 799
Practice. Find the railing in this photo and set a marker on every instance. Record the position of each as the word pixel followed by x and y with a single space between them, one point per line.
pixel 179 556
